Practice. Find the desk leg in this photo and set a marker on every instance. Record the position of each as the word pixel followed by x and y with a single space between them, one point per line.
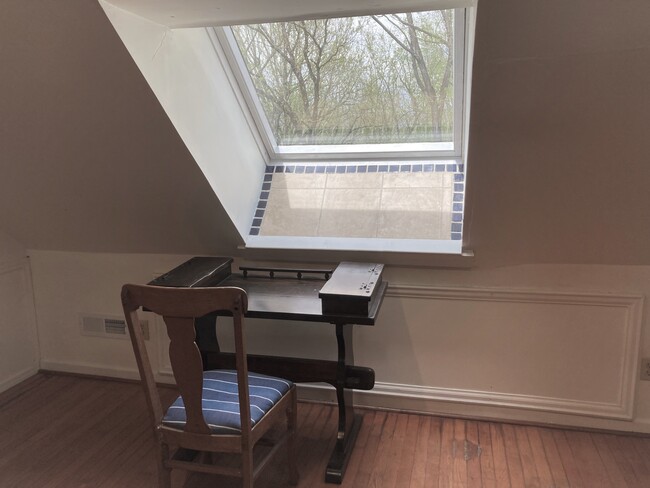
pixel 206 338
pixel 349 423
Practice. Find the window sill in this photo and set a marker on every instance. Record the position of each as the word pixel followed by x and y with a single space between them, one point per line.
pixel 355 244
pixel 400 252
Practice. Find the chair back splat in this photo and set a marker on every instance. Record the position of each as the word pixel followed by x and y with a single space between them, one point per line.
pixel 213 412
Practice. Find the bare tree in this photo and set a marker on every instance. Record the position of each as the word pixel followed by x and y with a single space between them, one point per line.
pixel 410 35
pixel 299 69
pixel 372 79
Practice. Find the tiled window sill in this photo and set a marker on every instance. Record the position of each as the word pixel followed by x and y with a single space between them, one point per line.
pixel 408 207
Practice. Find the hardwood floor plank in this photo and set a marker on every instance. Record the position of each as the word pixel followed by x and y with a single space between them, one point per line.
pixel 473 453
pixel 66 428
pixel 634 462
pixel 459 459
pixel 96 439
pixel 568 461
pixel 316 442
pixel 434 454
pixel 588 460
pixel 384 452
pixel 622 461
pixel 528 465
pixel 501 470
pixel 488 478
pixel 369 454
pixel 539 456
pixel 137 445
pixel 643 450
pixel 409 443
pixel 28 417
pixel 392 465
pixel 421 453
pixel 320 446
pixel 614 472
pixel 512 455
pixel 447 454
pixel 554 460
pixel 102 439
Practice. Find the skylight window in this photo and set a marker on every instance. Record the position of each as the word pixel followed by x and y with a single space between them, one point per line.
pixel 362 121
pixel 372 86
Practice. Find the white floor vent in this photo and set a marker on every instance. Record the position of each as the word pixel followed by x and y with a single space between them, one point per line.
pixel 101 326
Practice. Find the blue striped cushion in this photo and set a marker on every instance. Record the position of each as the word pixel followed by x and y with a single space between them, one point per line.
pixel 221 401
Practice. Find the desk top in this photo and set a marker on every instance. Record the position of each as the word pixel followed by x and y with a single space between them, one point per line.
pixel 281 297
pixel 294 299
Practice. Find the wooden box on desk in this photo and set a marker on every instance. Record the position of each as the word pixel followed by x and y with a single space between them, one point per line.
pixel 352 289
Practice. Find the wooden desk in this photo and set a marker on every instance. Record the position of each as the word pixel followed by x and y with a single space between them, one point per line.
pixel 353 295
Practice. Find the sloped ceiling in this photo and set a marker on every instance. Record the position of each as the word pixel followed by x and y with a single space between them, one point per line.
pixel 89 160
pixel 558 155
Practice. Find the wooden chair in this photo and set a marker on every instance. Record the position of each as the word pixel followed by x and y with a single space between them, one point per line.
pixel 207 419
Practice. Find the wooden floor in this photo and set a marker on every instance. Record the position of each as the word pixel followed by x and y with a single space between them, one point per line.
pixel 69 432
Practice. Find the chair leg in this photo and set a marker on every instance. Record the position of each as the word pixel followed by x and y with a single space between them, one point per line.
pixel 247 468
pixel 164 473
pixel 292 422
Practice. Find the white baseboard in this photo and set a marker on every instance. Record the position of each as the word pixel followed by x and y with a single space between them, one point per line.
pixel 405 398
pixel 427 405
pixel 17 378
pixel 90 369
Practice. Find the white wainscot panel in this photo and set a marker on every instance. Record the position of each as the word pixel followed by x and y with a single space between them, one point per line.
pixel 18 340
pixel 572 353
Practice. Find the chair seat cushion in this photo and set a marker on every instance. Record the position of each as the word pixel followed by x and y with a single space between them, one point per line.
pixel 221 400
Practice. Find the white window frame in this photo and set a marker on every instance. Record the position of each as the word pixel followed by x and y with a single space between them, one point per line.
pixel 320 153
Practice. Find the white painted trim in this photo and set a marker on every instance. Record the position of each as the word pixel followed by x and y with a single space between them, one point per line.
pixel 315 392
pixel 23 265
pixel 224 57
pixel 199 13
pixel 489 412
pixel 528 402
pixel 18 378
pixel 245 90
pixel 355 244
pixel 623 408
pixel 432 395
pixel 616 414
pixel 92 369
pixel 230 57
pixel 14 265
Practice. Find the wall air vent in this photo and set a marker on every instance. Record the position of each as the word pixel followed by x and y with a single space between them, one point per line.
pixel 108 326
pixel 115 326
pixel 102 326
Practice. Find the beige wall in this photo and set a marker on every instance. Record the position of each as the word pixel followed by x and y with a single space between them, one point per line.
pixel 559 155
pixel 88 159
pixel 544 343
pixel 558 174
pixel 557 158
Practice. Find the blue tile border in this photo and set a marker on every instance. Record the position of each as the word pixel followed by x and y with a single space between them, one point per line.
pixel 457 169
pixel 263 200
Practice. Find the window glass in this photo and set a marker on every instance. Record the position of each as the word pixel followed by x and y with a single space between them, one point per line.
pixel 380 79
